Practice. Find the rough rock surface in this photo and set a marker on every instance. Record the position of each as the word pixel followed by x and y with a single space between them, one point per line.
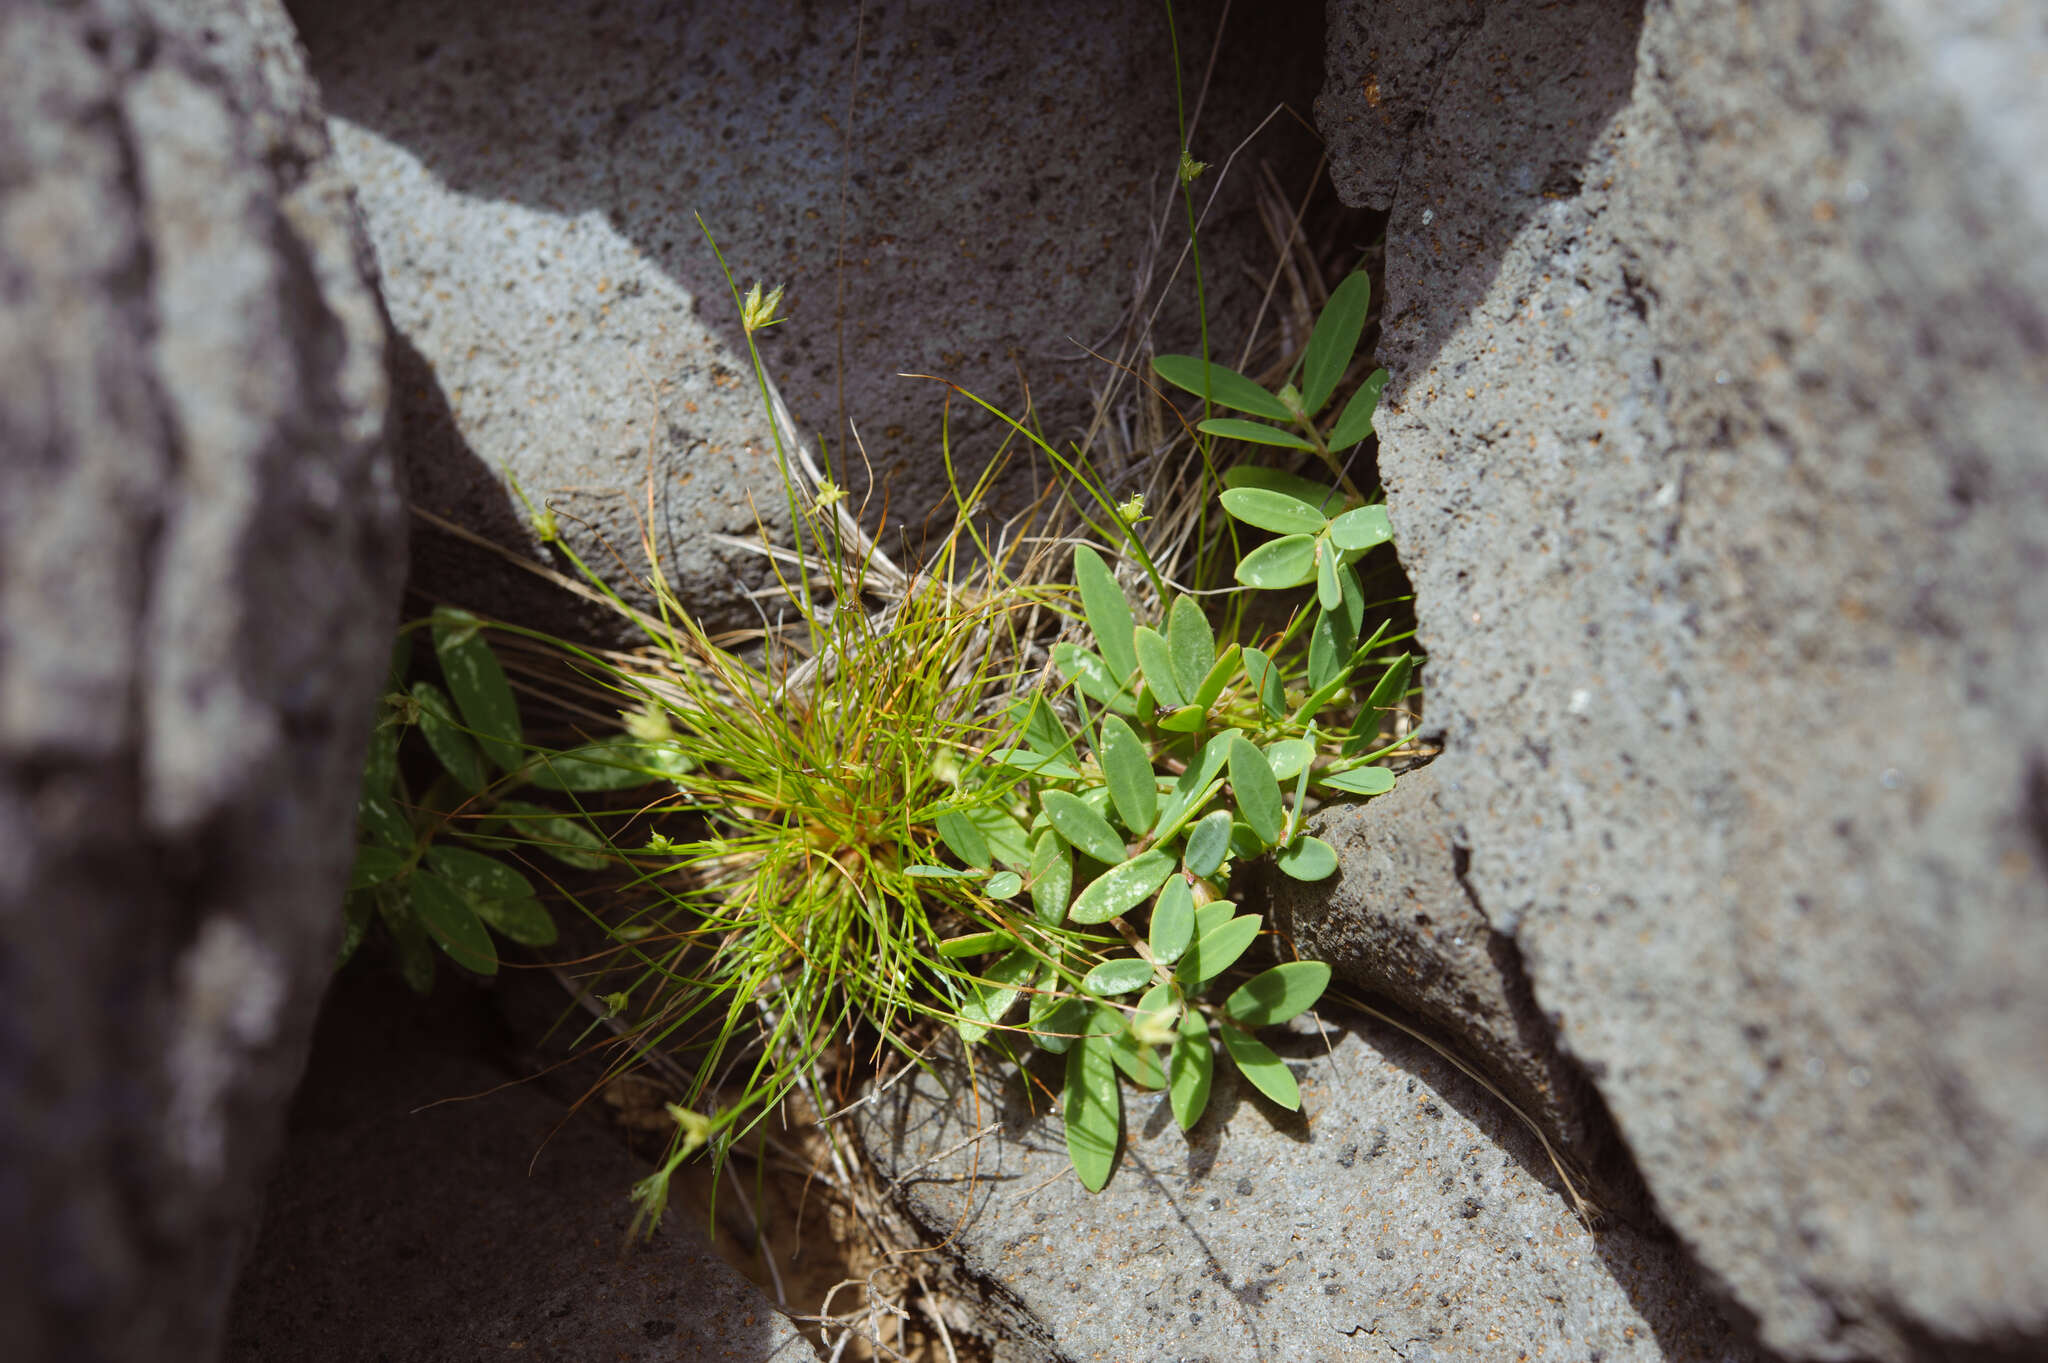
pixel 1399 924
pixel 407 1227
pixel 529 176
pixel 200 543
pixel 1719 337
pixel 1403 1216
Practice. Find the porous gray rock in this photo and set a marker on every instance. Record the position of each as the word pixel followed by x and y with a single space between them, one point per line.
pixel 1402 1215
pixel 1719 341
pixel 439 1200
pixel 1398 923
pixel 967 191
pixel 200 545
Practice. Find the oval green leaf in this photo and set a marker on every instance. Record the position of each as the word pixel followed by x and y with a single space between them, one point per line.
pixel 1256 1062
pixel 1358 781
pixel 1258 794
pixel 1287 756
pixel 1052 876
pixel 448 918
pixel 976 944
pixel 1108 611
pixel 415 948
pixel 1218 678
pixel 1308 859
pixel 1190 1069
pixel 609 764
pixel 1252 432
pixel 458 753
pixel 373 866
pixel 525 921
pixel 1121 888
pixel 478 876
pixel 1356 422
pixel 1155 658
pixel 1216 950
pixel 1093 1109
pixel 1327 500
pixel 1003 884
pixel 481 692
pixel 1007 840
pixel 1127 764
pixel 1334 341
pixel 1275 995
pixel 1173 920
pixel 1279 564
pixel 1224 386
pixel 1274 511
pixel 1362 529
pixel 1119 976
pixel 1138 1061
pixel 1208 843
pixel 1329 595
pixel 1192 644
pixel 1082 827
pixel 568 840
pixel 962 838
pixel 1056 1020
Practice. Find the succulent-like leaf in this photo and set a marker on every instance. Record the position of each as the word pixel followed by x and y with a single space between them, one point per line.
pixel 1274 996
pixel 1387 693
pixel 1190 1070
pixel 1279 564
pixel 415 948
pixel 1093 1111
pixel 1121 888
pixel 1192 787
pixel 1215 950
pixel 448 918
pixel 1155 659
pixel 1192 644
pixel 478 684
pixel 373 866
pixel 1287 756
pixel 1252 432
pixel 1040 728
pixel 1275 511
pixel 1329 595
pixel 1119 976
pixel 1219 677
pixel 1138 1061
pixel 1082 826
pixel 1356 422
pixel 1308 859
pixel 1208 843
pixel 571 841
pixel 1334 340
pixel 1267 1071
pixel 1328 500
pixel 962 838
pixel 459 756
pixel 1258 794
pixel 1224 386
pixel 1362 529
pixel 1052 876
pixel 1007 840
pixel 610 764
pixel 1173 920
pixel 1108 611
pixel 1127 765
pixel 1358 780
pixel 1003 884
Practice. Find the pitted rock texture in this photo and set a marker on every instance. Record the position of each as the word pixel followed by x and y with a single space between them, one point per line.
pixel 966 191
pixel 440 1200
pixel 1719 338
pixel 1402 1215
pixel 200 545
pixel 1398 923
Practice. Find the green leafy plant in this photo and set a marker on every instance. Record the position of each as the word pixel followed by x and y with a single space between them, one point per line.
pixel 894 816
pixel 430 866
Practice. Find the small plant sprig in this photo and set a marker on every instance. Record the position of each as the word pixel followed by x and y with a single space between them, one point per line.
pixel 424 866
